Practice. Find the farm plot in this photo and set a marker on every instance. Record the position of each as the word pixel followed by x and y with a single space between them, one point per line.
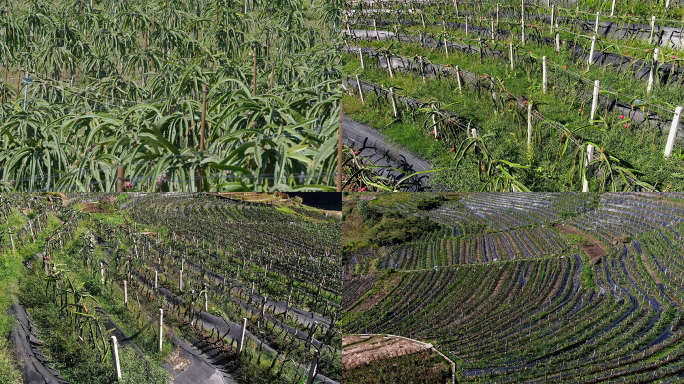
pixel 380 358
pixel 168 96
pixel 221 290
pixel 497 105
pixel 553 317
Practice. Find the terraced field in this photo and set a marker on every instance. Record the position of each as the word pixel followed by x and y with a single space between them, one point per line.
pixel 510 288
pixel 514 95
pixel 195 288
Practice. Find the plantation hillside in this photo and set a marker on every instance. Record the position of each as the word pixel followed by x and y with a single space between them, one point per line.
pixel 523 288
pixel 188 288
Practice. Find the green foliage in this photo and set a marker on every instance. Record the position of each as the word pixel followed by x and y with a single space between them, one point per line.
pixel 576 239
pixel 625 153
pixel 93 287
pixel 430 203
pixel 135 370
pixel 132 97
pixel 566 214
pixel 396 231
pixel 9 372
pixel 367 211
pixel 588 277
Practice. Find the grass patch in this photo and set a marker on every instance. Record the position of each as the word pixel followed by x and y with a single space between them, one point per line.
pixel 574 239
pixel 11 272
pixel 587 275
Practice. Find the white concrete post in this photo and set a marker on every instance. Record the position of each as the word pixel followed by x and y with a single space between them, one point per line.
pixel 545 81
pixel 497 14
pixel 358 84
pixel 510 45
pixel 557 39
pixel 590 158
pixel 466 25
pixel 161 328
pixel 389 65
pixel 375 26
pixel 492 20
pixel 446 48
pixel 101 273
pixel 312 370
pixel 422 72
pixel 651 74
pixel 125 293
pixel 11 239
pixel 597 23
pixel 594 101
pixel 522 37
pixel 667 6
pixel 206 302
pixel 361 57
pixel 612 9
pixel 591 52
pixel 242 337
pixel 394 106
pixel 117 364
pixel 252 292
pixel 650 37
pixel 529 124
pixel 458 79
pixel 553 8
pixel 673 132
pixel 31 228
pixel 156 277
pixel 590 148
pixel 180 283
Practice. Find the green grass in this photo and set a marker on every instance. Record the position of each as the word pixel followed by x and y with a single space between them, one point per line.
pixel 576 239
pixel 587 275
pixel 285 209
pixel 11 271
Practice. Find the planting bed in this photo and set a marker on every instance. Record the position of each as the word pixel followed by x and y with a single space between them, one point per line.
pixel 503 285
pixel 210 263
pixel 493 104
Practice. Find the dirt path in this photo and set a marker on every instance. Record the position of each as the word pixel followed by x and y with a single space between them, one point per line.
pixel 594 248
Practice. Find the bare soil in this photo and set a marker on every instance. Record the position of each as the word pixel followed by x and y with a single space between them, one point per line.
pixel 594 248
pixel 92 208
pixel 179 363
pixel 357 350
